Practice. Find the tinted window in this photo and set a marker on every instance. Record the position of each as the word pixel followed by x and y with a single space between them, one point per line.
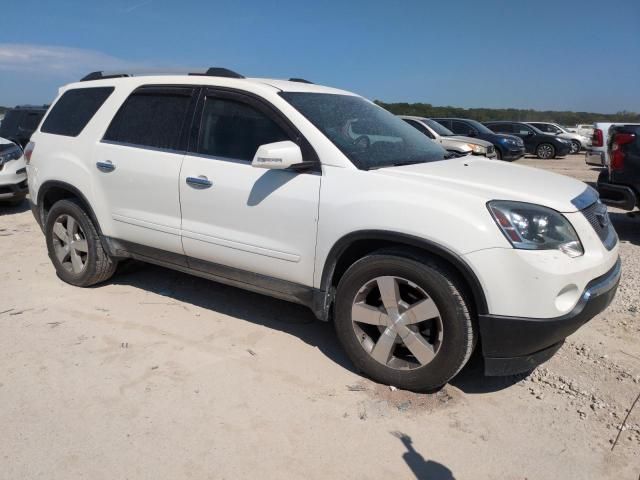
pixel 151 117
pixel 232 129
pixel 461 128
pixel 74 109
pixel 520 129
pixel 501 127
pixel 418 126
pixel 380 139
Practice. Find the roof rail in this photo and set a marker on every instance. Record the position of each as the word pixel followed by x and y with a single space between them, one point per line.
pixel 219 72
pixel 300 80
pixel 101 76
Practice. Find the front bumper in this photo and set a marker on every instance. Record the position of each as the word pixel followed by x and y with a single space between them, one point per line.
pixel 513 345
pixel 13 190
pixel 513 153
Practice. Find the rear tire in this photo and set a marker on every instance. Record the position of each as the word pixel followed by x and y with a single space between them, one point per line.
pixel 421 355
pixel 575 147
pixel 545 151
pixel 74 246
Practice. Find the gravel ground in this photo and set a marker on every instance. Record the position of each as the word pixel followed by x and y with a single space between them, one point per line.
pixel 157 374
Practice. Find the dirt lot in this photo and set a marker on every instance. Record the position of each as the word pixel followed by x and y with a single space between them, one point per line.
pixel 157 374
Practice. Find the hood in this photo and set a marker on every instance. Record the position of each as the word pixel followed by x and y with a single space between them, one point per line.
pixel 496 137
pixel 474 140
pixel 491 180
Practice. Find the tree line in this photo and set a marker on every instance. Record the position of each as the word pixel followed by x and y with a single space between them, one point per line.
pixel 486 114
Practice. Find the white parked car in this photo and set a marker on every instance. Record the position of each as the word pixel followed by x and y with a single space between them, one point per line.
pixel 449 140
pixel 578 142
pixel 586 130
pixel 13 173
pixel 259 183
pixel 597 153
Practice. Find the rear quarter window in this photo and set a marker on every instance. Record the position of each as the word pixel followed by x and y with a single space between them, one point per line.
pixel 74 110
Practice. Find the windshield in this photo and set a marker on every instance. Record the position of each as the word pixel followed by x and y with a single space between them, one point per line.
pixel 439 129
pixel 368 135
pixel 480 127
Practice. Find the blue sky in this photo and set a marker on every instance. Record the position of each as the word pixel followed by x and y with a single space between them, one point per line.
pixel 576 55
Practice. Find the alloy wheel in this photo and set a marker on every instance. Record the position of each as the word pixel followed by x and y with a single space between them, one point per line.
pixel 545 151
pixel 397 323
pixel 70 244
pixel 575 147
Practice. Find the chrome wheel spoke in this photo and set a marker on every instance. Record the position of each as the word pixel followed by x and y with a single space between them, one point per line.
pixel 389 293
pixel 420 311
pixel 418 346
pixel 363 313
pixel 80 246
pixel 384 347
pixel 61 252
pixel 60 232
pixel 76 261
pixel 72 227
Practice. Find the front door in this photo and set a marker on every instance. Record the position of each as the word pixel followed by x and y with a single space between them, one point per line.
pixel 245 218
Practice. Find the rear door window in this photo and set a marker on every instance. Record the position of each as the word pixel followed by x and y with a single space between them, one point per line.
pixel 501 127
pixel 73 111
pixel 152 117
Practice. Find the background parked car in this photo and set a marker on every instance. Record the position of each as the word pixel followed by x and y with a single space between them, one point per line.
pixel 619 184
pixel 13 172
pixel 20 122
pixel 597 153
pixel 508 147
pixel 578 142
pixel 448 139
pixel 538 143
pixel 586 130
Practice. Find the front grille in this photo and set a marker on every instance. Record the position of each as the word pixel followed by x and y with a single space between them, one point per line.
pixel 598 217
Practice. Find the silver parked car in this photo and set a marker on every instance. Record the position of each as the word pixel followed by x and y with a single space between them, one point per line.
pixel 449 140
pixel 578 142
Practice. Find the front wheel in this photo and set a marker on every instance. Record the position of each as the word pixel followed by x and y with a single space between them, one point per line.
pixel 545 151
pixel 575 147
pixel 498 154
pixel 74 246
pixel 403 321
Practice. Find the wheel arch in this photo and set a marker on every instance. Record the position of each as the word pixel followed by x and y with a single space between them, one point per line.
pixel 53 190
pixel 355 245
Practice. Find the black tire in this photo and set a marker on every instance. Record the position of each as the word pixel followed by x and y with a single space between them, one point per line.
pixel 99 266
pixel 443 287
pixel 498 154
pixel 546 151
pixel 576 146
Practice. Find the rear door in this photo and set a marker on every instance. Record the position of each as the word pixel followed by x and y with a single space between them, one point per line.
pixel 138 165
pixel 244 218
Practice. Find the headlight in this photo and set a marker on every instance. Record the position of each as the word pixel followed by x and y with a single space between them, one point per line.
pixel 534 227
pixel 478 149
pixel 14 152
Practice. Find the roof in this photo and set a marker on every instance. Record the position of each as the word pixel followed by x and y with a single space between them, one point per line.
pixel 295 85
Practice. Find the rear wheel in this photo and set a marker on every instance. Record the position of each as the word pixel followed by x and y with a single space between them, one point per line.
pixel 403 320
pixel 74 246
pixel 545 151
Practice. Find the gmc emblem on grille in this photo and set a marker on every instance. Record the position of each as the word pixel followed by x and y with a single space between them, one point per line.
pixel 603 219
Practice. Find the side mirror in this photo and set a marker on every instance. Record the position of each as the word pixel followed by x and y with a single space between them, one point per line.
pixel 278 156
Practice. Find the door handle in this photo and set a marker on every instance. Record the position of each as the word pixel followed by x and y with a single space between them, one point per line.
pixel 200 182
pixel 106 166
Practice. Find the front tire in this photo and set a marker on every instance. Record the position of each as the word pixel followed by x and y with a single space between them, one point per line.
pixel 403 321
pixel 498 154
pixel 545 151
pixel 74 246
pixel 575 147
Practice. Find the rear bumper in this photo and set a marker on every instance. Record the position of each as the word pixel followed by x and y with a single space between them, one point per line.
pixel 614 195
pixel 515 344
pixel 592 157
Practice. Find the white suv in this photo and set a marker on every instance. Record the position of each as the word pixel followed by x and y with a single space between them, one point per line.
pixel 261 184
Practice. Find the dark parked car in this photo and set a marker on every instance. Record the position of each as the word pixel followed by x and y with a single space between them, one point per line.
pixel 508 147
pixel 536 142
pixel 20 122
pixel 619 184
